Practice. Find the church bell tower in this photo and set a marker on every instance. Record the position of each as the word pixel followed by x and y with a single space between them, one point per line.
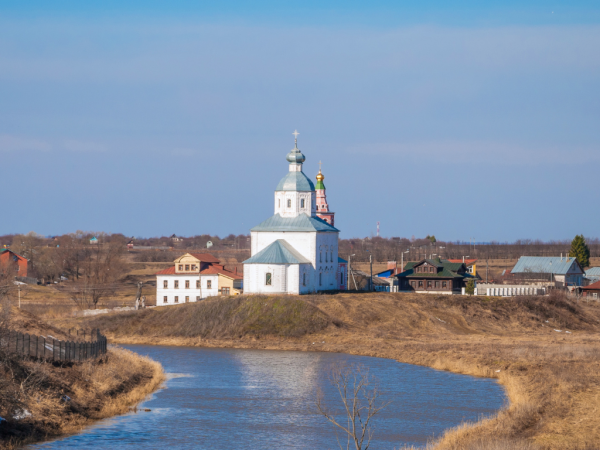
pixel 322 206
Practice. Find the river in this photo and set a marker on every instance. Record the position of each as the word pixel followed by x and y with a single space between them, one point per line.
pixel 260 399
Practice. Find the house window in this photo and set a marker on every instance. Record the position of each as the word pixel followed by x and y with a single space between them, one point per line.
pixel 289 203
pixel 187 267
pixel 420 284
pixel 470 269
pixel 187 299
pixel 320 279
pixel 165 299
pixel 444 284
pixel 187 284
pixel 429 284
pixel 268 279
pixel 176 283
pixel 431 269
pixel 209 284
pixel 225 291
pixel 197 284
pixel 180 266
pixel 165 284
pixel 437 284
pixel 176 299
pixel 413 284
pixel 193 266
pixel 302 203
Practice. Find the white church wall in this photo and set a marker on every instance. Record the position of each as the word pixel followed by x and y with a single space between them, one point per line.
pixel 303 242
pixel 255 276
pixel 296 206
pixel 326 261
pixel 182 292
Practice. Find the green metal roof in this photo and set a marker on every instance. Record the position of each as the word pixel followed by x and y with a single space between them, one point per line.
pixel 295 181
pixel 320 185
pixel 449 270
pixel 279 252
pixel 302 222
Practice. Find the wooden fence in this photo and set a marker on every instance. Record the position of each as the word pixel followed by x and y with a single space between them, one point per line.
pixel 50 349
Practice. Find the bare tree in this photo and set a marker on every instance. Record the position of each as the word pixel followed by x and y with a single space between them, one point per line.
pixel 102 265
pixel 360 398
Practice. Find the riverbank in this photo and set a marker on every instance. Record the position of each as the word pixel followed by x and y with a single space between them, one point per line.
pixel 44 400
pixel 544 351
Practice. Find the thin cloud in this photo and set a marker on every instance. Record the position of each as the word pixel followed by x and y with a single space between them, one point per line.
pixel 10 143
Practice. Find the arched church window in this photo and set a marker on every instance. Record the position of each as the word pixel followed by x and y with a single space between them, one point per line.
pixel 279 203
pixel 321 256
pixel 268 279
pixel 342 278
pixel 331 256
pixel 302 203
pixel 320 279
pixel 289 203
pixel 303 279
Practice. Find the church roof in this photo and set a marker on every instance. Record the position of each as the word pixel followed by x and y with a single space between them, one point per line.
pixel 295 181
pixel 279 252
pixel 302 222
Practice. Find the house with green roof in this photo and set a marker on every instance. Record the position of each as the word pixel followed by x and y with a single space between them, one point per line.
pixel 434 276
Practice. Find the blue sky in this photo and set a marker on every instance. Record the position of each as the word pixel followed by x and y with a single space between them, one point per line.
pixel 448 118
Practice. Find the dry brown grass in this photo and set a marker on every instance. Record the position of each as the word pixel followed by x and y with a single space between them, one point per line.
pixel 97 389
pixel 551 378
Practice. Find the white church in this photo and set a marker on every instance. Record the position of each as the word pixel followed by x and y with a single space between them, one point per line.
pixel 296 250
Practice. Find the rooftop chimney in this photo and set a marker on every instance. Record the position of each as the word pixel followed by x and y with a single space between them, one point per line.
pixel 463 258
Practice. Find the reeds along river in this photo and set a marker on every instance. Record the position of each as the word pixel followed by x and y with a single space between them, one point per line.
pixel 258 399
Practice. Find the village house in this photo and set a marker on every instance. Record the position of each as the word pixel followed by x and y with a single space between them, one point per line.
pixel 592 291
pixel 193 277
pixel 433 276
pixel 12 263
pixel 592 274
pixel 94 240
pixel 471 265
pixel 546 271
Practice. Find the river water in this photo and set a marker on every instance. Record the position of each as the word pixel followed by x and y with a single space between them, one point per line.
pixel 260 399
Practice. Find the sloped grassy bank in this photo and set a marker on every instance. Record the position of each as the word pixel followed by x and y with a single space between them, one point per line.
pixel 552 377
pixel 43 400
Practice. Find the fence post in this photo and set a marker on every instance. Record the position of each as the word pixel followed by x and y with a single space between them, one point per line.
pixel 44 348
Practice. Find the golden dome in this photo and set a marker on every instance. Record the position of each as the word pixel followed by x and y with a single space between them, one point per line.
pixel 320 176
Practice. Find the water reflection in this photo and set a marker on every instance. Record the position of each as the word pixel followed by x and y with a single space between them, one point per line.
pixel 247 399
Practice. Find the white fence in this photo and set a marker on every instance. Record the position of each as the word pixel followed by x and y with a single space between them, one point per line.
pixel 509 290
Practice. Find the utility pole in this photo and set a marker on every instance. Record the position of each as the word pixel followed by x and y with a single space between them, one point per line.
pixel 371 264
pixel 486 270
pixel 19 296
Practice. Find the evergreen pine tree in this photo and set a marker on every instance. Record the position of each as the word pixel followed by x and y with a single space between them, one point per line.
pixel 580 250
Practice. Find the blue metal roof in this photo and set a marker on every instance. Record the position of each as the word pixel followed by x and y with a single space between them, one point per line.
pixel 342 260
pixel 279 252
pixel 593 271
pixel 295 181
pixel 544 264
pixel 302 222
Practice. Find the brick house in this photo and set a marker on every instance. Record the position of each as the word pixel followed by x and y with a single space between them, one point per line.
pixel 10 260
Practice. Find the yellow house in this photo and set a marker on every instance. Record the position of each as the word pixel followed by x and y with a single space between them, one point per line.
pixel 470 263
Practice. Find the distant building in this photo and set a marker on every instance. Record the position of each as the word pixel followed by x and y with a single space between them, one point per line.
pixel 434 276
pixel 546 271
pixel 193 277
pixel 593 274
pixel 12 262
pixel 591 291
pixel 471 265
pixel 175 238
pixel 94 240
